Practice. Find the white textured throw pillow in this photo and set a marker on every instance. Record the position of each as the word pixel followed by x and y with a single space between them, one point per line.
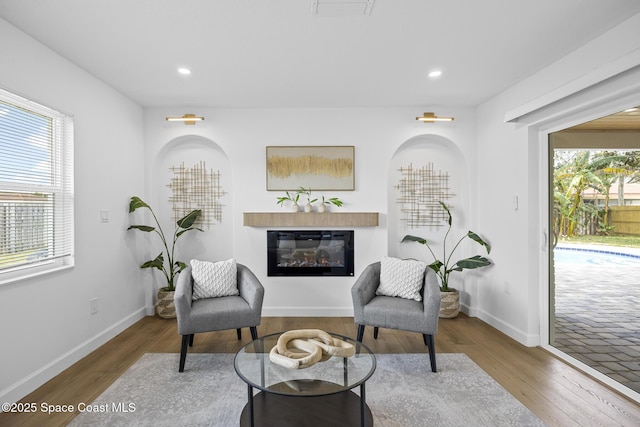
pixel 401 278
pixel 214 279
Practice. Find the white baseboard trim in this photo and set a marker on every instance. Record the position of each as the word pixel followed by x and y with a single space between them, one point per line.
pixel 307 311
pixel 18 390
pixel 529 340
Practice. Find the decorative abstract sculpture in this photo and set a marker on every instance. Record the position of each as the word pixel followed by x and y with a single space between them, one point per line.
pixel 197 188
pixel 302 348
pixel 421 191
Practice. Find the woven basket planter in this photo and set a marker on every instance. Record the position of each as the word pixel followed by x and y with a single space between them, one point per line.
pixel 166 308
pixel 450 304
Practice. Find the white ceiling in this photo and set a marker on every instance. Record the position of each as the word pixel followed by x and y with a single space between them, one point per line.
pixel 276 53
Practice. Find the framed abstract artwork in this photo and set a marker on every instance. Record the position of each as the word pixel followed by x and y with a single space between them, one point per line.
pixel 317 167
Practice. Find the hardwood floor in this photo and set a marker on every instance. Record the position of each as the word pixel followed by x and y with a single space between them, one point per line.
pixel 559 394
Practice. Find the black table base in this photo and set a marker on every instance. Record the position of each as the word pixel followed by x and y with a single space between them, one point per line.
pixel 340 409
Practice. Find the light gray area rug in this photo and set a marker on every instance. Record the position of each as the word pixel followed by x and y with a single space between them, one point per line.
pixel 402 392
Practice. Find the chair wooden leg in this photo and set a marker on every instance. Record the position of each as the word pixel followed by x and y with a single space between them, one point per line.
pixel 191 340
pixel 375 332
pixel 239 332
pixel 429 341
pixel 360 333
pixel 254 333
pixel 183 351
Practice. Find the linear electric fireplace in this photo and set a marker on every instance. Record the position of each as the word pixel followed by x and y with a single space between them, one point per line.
pixel 310 253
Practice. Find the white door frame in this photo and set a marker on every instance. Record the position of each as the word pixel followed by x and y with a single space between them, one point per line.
pixel 542 131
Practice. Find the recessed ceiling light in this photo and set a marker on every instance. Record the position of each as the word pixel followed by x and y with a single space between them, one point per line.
pixel 184 71
pixel 435 73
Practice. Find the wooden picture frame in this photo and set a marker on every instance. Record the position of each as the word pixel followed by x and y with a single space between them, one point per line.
pixel 321 167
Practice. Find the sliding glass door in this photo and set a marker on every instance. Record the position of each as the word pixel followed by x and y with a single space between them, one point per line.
pixel 594 245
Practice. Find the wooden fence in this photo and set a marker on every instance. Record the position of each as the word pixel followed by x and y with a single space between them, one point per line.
pixel 625 219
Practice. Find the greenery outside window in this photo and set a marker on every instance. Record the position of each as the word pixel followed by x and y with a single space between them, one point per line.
pixel 36 189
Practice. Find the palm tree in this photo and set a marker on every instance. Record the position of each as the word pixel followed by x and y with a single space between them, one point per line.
pixel 577 171
pixel 631 165
pixel 571 180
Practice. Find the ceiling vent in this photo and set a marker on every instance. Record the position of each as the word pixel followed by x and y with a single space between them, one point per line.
pixel 341 7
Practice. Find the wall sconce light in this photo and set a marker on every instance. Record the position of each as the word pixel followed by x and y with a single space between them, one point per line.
pixel 187 119
pixel 431 117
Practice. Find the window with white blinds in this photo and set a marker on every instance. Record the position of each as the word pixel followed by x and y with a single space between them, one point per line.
pixel 36 188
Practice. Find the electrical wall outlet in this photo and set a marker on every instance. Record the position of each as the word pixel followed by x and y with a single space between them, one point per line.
pixel 93 304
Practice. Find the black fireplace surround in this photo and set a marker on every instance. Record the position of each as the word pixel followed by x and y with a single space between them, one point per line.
pixel 310 253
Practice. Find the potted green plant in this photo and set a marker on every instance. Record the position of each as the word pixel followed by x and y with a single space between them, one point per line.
pixel 326 202
pixel 170 267
pixel 290 197
pixel 310 201
pixel 444 267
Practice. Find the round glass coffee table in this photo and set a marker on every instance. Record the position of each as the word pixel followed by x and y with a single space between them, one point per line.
pixel 318 395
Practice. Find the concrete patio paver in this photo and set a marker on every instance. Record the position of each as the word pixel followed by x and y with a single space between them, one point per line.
pixel 597 313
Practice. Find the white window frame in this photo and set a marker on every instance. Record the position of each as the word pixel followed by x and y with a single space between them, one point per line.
pixel 62 186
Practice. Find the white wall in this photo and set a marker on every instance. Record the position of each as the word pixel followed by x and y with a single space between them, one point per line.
pixel 595 80
pixel 50 322
pixel 452 153
pixel 243 134
pixel 46 321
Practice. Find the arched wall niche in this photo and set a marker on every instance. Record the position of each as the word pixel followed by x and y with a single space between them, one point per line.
pixel 216 242
pixel 445 156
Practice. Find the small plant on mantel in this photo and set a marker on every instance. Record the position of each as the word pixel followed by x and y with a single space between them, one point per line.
pixel 288 197
pixel 294 198
pixel 326 202
pixel 332 201
pixel 310 199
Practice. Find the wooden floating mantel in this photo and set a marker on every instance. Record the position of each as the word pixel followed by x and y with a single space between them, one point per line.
pixel 310 219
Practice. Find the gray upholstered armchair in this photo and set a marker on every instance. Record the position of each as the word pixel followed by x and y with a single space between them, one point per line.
pixel 397 313
pixel 220 313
